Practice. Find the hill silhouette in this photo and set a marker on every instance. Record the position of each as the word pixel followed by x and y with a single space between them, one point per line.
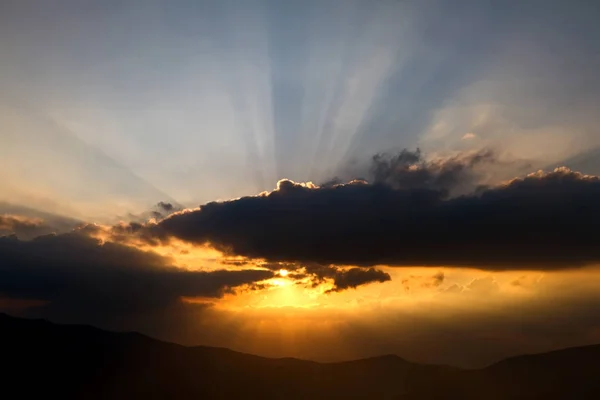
pixel 40 358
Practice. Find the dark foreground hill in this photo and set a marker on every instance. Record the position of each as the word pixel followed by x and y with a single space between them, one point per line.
pixel 41 359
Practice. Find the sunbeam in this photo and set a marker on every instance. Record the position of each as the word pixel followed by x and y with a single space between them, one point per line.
pixel 321 179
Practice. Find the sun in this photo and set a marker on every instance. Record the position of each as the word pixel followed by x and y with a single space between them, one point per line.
pixel 283 272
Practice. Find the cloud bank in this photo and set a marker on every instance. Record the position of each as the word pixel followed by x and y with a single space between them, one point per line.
pixel 408 216
pixel 79 275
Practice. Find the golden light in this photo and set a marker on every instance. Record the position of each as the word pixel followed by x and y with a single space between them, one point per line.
pixel 283 272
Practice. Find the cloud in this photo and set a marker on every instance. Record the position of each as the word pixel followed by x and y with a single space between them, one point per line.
pixel 316 274
pixel 410 170
pixel 542 221
pixel 354 277
pixel 23 226
pixel 165 206
pixel 158 211
pixel 340 278
pixel 469 136
pixel 79 275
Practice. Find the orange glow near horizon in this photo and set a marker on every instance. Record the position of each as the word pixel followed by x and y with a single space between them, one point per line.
pixel 290 319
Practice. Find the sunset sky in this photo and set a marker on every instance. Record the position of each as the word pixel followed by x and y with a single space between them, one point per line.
pixel 322 179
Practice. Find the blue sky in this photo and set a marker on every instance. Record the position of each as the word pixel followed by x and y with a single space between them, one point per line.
pixel 109 107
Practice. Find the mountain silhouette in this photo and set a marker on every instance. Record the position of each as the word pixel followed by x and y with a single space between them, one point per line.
pixel 40 358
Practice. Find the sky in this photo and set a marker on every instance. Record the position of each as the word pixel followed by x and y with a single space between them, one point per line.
pixel 324 179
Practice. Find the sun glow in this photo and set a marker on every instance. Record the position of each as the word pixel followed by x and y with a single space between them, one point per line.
pixel 283 272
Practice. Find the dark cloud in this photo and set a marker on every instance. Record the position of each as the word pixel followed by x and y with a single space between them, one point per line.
pixel 168 207
pixel 437 279
pixel 542 221
pixel 79 275
pixel 453 175
pixel 163 209
pixel 354 277
pixel 159 211
pixel 341 278
pixel 123 232
pixel 409 170
pixel 235 263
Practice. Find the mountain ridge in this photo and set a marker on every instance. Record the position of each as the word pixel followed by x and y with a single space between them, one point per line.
pixel 81 361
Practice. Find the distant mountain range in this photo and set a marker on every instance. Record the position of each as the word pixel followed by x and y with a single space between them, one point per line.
pixel 41 360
